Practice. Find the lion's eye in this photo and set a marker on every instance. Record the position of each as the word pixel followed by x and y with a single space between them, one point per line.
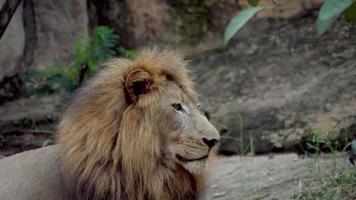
pixel 177 106
pixel 198 105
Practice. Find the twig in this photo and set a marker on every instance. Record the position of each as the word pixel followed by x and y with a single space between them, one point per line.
pixel 7 11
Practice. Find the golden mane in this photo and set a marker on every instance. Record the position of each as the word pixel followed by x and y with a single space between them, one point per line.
pixel 110 149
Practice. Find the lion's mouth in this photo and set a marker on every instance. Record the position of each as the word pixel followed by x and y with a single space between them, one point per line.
pixel 182 159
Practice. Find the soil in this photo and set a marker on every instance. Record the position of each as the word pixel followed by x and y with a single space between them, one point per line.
pixel 268 177
pixel 29 123
pixel 17 141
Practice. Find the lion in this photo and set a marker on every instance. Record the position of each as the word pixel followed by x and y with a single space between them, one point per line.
pixel 135 131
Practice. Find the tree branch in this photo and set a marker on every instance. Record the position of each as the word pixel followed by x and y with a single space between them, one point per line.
pixel 6 13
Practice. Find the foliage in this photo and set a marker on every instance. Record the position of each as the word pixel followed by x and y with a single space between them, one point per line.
pixel 89 52
pixel 253 2
pixel 232 133
pixel 48 80
pixel 238 21
pixel 329 185
pixel 350 14
pixel 328 14
pixel 353 146
pixel 189 20
pixel 314 142
pixel 334 182
pixel 87 56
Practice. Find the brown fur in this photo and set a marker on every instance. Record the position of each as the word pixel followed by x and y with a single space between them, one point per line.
pixel 110 148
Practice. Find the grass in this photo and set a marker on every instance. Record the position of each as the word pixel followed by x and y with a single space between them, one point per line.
pixel 340 185
pixel 334 181
pixel 331 176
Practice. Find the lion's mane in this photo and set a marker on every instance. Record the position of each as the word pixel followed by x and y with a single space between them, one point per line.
pixel 110 149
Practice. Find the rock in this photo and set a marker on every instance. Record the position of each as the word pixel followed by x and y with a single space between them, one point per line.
pixel 44 31
pixel 221 12
pixel 135 21
pixel 29 123
pixel 51 29
pixel 12 44
pixel 195 26
pixel 10 88
pixel 41 32
pixel 284 9
pixel 263 177
pixel 30 112
pixel 294 83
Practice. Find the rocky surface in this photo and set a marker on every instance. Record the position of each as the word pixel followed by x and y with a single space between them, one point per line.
pixel 28 123
pixel 51 30
pixel 44 31
pixel 193 25
pixel 273 177
pixel 34 108
pixel 12 44
pixel 277 81
pixel 41 32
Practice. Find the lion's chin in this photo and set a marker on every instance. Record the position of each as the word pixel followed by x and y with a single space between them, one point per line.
pixel 195 167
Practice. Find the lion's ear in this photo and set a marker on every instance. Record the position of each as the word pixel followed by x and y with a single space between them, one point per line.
pixel 137 82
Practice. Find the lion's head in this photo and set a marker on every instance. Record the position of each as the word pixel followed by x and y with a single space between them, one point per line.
pixel 135 131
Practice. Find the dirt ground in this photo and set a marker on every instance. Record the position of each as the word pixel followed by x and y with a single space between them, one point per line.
pixel 268 177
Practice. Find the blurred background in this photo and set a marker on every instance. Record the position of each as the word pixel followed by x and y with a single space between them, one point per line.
pixel 274 76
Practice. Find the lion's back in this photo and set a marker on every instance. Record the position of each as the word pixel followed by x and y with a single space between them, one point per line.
pixel 32 175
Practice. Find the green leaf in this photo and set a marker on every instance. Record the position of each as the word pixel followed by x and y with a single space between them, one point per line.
pixel 32 75
pixel 253 2
pixel 83 49
pixel 329 12
pixel 238 21
pixel 73 72
pixel 277 144
pixel 353 146
pixel 89 52
pixel 310 146
pixel 47 143
pixel 350 14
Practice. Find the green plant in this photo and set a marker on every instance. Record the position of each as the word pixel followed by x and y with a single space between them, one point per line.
pixel 238 21
pixel 328 14
pixel 48 80
pixel 330 11
pixel 331 180
pixel 89 52
pixel 339 184
pixel 233 135
pixel 245 148
pixel 48 142
pixel 314 142
pixel 84 62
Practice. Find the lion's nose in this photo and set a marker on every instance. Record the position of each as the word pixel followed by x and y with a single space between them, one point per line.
pixel 211 143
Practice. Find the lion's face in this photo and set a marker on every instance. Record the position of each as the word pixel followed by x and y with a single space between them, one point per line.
pixel 190 137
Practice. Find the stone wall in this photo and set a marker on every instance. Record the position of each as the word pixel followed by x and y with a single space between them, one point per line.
pixel 12 44
pixel 41 32
pixel 44 31
pixel 278 82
